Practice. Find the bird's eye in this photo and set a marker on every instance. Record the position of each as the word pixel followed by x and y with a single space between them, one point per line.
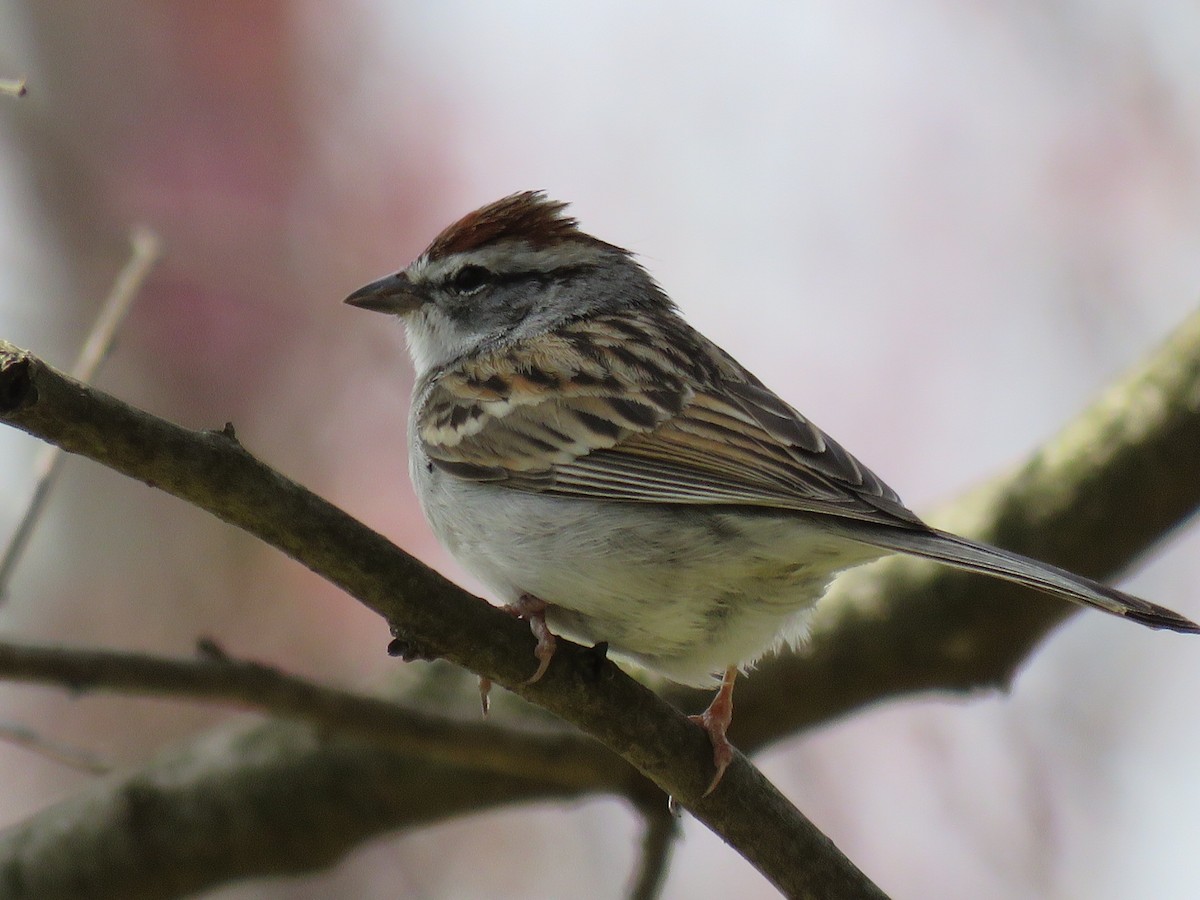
pixel 470 279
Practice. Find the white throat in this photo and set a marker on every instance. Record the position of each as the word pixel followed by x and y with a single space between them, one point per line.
pixel 434 340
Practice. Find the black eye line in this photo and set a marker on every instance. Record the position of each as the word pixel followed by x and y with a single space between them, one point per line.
pixel 491 278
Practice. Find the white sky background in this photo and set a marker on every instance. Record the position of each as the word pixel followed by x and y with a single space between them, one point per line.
pixel 935 228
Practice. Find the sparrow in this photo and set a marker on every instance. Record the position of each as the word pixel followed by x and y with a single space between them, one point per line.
pixel 615 477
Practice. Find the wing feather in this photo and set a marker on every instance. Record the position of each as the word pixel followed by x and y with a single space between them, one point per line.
pixel 612 410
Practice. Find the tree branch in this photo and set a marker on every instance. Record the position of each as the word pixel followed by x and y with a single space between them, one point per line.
pixel 239 802
pixel 564 758
pixel 1094 498
pixel 431 615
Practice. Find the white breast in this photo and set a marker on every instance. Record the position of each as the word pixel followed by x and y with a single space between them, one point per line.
pixel 684 591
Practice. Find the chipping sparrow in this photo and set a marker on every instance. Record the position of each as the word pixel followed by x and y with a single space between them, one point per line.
pixel 614 476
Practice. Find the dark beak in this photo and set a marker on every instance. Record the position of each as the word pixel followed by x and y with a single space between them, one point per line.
pixel 394 294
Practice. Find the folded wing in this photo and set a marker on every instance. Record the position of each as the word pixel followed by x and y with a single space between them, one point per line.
pixel 601 413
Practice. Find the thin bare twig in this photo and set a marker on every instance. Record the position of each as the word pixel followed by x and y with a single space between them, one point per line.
pixel 13 87
pixel 145 249
pixel 67 755
pixel 565 757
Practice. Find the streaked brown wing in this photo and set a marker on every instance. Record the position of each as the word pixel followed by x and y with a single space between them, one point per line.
pixel 601 412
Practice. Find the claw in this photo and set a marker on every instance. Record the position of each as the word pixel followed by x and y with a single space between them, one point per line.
pixel 547 643
pixel 533 611
pixel 715 720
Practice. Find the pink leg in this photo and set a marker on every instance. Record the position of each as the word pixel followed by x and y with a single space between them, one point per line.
pixel 715 720
pixel 533 611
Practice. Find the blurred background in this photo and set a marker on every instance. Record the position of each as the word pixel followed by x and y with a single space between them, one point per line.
pixel 936 228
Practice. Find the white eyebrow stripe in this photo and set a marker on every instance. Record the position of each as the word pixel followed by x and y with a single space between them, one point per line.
pixel 508 258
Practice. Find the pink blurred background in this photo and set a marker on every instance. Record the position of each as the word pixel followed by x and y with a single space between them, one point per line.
pixel 936 228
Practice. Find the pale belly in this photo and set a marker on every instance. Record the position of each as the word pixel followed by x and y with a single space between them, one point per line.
pixel 684 591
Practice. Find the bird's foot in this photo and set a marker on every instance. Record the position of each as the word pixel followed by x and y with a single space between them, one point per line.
pixel 715 720
pixel 533 611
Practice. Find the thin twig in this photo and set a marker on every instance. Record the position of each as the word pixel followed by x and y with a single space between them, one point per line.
pixel 75 757
pixel 145 250
pixel 144 253
pixel 564 757
pixel 13 87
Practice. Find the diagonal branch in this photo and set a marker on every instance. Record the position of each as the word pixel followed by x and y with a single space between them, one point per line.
pixel 1098 495
pixel 431 615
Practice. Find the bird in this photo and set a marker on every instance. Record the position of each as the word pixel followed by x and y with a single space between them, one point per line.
pixel 616 478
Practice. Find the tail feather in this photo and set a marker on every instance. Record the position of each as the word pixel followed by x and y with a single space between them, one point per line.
pixel 961 553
